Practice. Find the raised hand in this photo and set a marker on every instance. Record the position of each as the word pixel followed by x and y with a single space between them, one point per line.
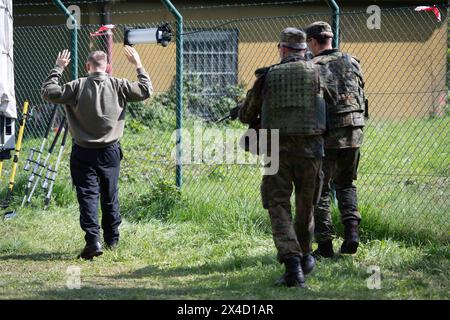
pixel 63 58
pixel 132 56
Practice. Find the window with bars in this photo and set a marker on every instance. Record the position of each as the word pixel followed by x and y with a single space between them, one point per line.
pixel 210 64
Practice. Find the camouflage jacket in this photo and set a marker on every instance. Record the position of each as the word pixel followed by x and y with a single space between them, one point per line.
pixel 250 113
pixel 345 136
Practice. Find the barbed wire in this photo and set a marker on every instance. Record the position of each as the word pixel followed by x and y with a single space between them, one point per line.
pixel 342 13
pixel 163 9
pixel 254 4
pixel 245 4
pixel 41 4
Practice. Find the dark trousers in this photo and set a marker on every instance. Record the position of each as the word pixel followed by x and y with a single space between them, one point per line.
pixel 95 174
pixel 340 167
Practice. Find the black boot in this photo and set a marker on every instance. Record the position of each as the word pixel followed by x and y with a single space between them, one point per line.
pixel 325 250
pixel 112 244
pixel 294 274
pixel 111 240
pixel 308 263
pixel 91 251
pixel 281 281
pixel 351 237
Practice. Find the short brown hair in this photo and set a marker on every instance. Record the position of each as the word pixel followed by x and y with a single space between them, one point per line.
pixel 98 59
pixel 322 40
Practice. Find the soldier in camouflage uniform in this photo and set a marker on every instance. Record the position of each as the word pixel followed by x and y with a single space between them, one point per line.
pixel 288 97
pixel 345 100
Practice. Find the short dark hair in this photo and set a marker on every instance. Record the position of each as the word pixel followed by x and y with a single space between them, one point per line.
pixel 321 39
pixel 296 50
pixel 98 59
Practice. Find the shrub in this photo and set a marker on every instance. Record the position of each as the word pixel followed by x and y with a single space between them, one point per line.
pixel 207 103
pixel 152 114
pixel 135 125
pixel 155 203
pixel 213 102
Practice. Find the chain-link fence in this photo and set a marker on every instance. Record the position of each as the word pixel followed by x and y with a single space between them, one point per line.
pixel 404 170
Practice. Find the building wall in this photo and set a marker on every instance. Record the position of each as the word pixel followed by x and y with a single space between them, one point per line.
pixel 404 62
pixel 407 55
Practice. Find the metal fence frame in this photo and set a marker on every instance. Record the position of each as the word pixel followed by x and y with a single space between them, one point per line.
pixel 182 175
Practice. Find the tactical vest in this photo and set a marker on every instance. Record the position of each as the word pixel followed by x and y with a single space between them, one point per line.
pixel 346 89
pixel 293 100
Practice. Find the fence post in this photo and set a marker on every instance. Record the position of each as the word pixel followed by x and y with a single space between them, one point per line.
pixel 179 88
pixel 335 22
pixel 73 40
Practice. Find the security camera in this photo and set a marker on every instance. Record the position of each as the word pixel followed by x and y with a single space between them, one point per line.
pixel 161 35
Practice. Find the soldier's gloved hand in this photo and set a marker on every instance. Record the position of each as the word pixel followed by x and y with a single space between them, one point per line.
pixel 234 113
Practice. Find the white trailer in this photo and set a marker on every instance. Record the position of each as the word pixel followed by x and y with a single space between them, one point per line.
pixel 8 110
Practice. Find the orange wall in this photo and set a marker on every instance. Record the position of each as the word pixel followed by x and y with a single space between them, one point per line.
pixel 158 61
pixel 407 55
pixel 394 70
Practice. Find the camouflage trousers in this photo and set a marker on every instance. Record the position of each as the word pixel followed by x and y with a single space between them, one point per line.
pixel 340 167
pixel 292 237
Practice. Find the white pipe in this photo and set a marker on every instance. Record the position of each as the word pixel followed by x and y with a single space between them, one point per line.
pixel 150 35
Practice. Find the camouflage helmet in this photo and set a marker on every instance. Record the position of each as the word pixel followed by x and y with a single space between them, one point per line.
pixel 293 38
pixel 319 29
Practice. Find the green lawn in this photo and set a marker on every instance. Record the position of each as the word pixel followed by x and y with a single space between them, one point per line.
pixel 186 260
pixel 213 240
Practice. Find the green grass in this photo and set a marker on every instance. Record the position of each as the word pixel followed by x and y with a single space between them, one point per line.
pixel 213 241
pixel 192 260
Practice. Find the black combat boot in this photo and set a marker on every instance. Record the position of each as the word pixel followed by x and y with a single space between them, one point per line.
pixel 351 237
pixel 294 274
pixel 111 245
pixel 325 250
pixel 91 251
pixel 308 263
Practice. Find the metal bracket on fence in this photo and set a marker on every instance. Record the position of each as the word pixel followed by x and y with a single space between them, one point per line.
pixel 74 38
pixel 179 88
pixel 335 22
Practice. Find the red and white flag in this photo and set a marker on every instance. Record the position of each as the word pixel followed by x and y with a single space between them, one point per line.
pixel 103 30
pixel 435 10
